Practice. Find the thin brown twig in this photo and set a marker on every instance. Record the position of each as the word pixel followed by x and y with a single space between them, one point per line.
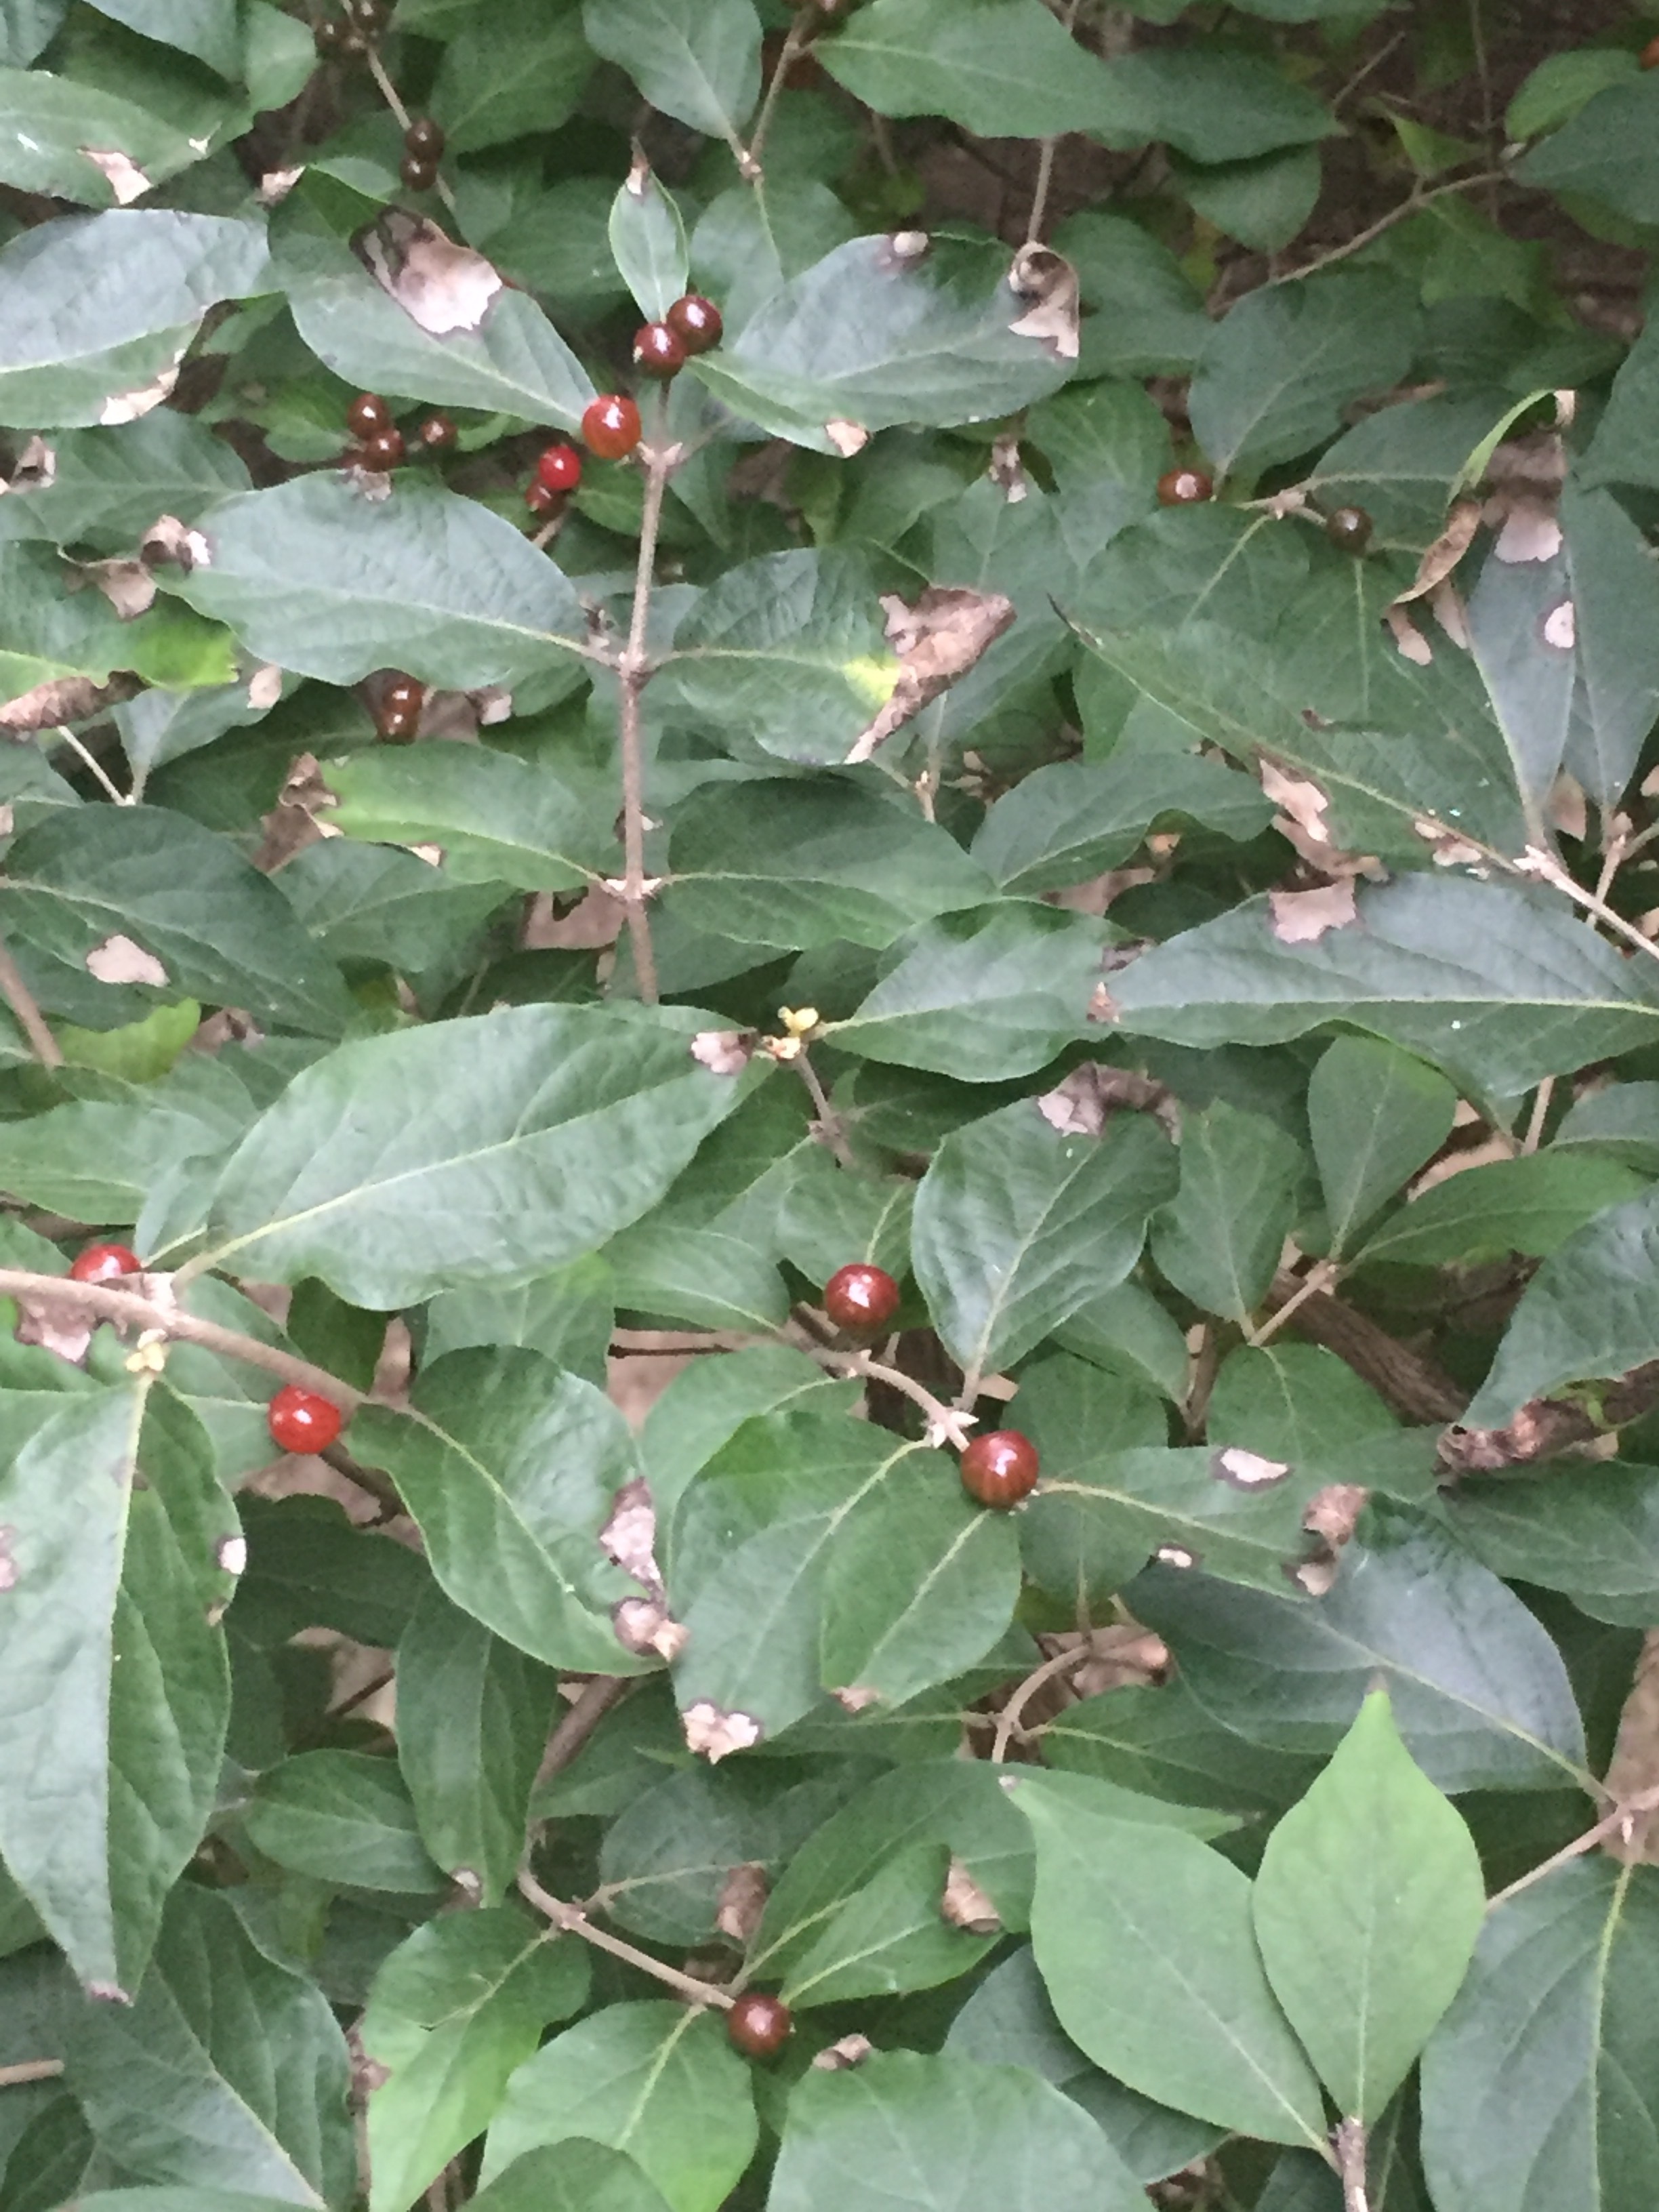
pixel 1008 1718
pixel 1645 1801
pixel 828 1120
pixel 30 2069
pixel 1321 1276
pixel 154 1317
pixel 633 670
pixel 796 40
pixel 572 1921
pixel 1534 861
pixel 1412 204
pixel 1045 175
pixel 946 1424
pixel 579 1721
pixel 18 997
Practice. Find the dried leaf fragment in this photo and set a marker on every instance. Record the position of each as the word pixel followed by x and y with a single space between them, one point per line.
pixel 1447 551
pixel 1047 281
pixel 742 1901
pixel 714 1734
pixel 629 1538
pixel 127 585
pixel 1303 917
pixel 642 1625
pixel 119 960
pixel 937 640
pixel 965 1905
pixel 847 437
pixel 121 172
pixel 128 406
pixel 36 469
pixel 1082 1105
pixel 856 1700
pixel 836 2057
pixel 65 699
pixel 1248 1470
pixel 169 540
pixel 440 286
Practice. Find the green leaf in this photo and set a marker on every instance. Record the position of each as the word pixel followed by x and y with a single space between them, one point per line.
pixel 27 26
pixel 1009 2020
pixel 473 1716
pixel 513 363
pixel 1300 1402
pixel 793 863
pixel 1074 819
pixel 1367 1906
pixel 813 1554
pixel 1403 465
pixel 544 1130
pixel 452 2014
pixel 648 241
pixel 1624 449
pixel 1144 1941
pixel 1561 84
pixel 308 1567
pixel 1210 100
pixel 116 1690
pixel 489 88
pixel 573 2177
pixel 1126 1332
pixel 206 28
pixel 1494 985
pixel 1263 202
pixel 999 68
pixel 385 906
pixel 1375 1115
pixel 82 877
pixel 709 1402
pixel 1017 1225
pixel 318 579
pixel 863 341
pixel 1219 1239
pixel 992 992
pixel 1279 371
pixel 1593 1532
pixel 889 1938
pixel 1156 320
pixel 1531 1205
pixel 829 1217
pixel 510 1467
pixel 942 2134
pixel 792 649
pixel 655 2080
pixel 94 1159
pixel 498 819
pixel 1610 149
pixel 96 310
pixel 108 487
pixel 568 1315
pixel 342 1817
pixel 1615 598
pixel 1592 1310
pixel 1538 2085
pixel 1479 1691
pixel 224 2073
pixel 49 125
pixel 1109 1502
pixel 697 60
pixel 1160 1742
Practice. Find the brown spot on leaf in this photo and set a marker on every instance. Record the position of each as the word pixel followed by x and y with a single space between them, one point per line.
pixel 1007 471
pixel 170 542
pixel 127 585
pixel 276 185
pixel 715 1734
pixel 126 179
pixel 1248 1470
pixel 36 469
pixel 119 960
pixel 836 2057
pixel 232 1554
pixel 1047 281
pixel 293 823
pixel 742 1902
pixel 1082 1105
pixel 128 406
pixel 965 1905
pixel 642 1625
pixel 66 699
pixel 1561 626
pixel 1315 1575
pixel 1333 1513
pixel 264 687
pixel 629 1538
pixel 937 640
pixel 856 1700
pixel 1303 917
pixel 440 286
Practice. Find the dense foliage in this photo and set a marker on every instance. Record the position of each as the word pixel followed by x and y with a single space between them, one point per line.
pixel 1014 849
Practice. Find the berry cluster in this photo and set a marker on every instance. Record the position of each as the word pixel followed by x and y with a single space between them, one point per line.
pixel 380 444
pixel 692 325
pixel 423 146
pixel 347 37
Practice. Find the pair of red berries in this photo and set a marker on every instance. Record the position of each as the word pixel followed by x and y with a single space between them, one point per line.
pixel 380 444
pixel 397 715
pixel 423 145
pixel 998 1470
pixel 611 428
pixel 693 325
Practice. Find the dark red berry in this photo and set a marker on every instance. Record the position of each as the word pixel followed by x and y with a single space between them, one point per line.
pixel 418 176
pixel 438 432
pixel 329 38
pixel 859 1297
pixel 424 139
pixel 1649 56
pixel 396 726
pixel 758 2025
pixel 657 351
pixel 541 501
pixel 367 415
pixel 102 1263
pixel 611 426
pixel 559 468
pixel 403 695
pixel 1001 1469
pixel 695 322
pixel 1349 528
pixel 302 1421
pixel 1184 488
pixel 384 450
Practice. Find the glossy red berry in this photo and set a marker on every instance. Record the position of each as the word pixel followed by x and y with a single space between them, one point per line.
pixel 302 1421
pixel 758 2025
pixel 424 139
pixel 559 468
pixel 102 1263
pixel 1001 1469
pixel 367 415
pixel 438 432
pixel 657 351
pixel 403 695
pixel 695 322
pixel 384 450
pixel 418 176
pixel 1349 528
pixel 611 426
pixel 396 726
pixel 859 1296
pixel 1184 488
